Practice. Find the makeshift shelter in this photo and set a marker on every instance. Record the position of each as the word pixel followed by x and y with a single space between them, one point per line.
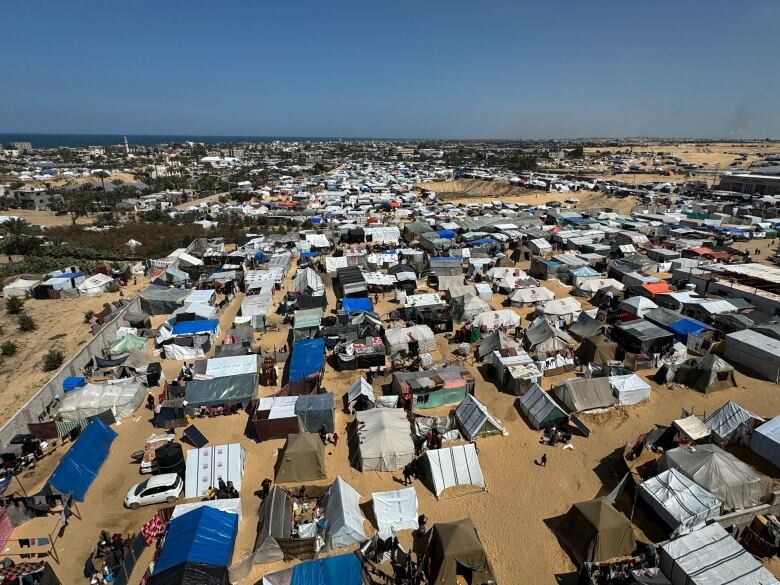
pixel 531 296
pixel 95 285
pixel 308 359
pixel 629 389
pixel 333 570
pixel 691 428
pixel 474 419
pixel 718 471
pixel 360 395
pixel 395 510
pixel 162 300
pixel 757 352
pixel 705 374
pixel 224 391
pixel 491 320
pixel 275 417
pixel 128 343
pixel 465 308
pixel 546 340
pixel 353 305
pixel 315 412
pixel 306 323
pixel 566 309
pixel 79 467
pixel 766 441
pixel 679 502
pixel 581 394
pixel 595 532
pixel 308 282
pixel 22 287
pixel 346 523
pixel 403 339
pixel 732 424
pixel 586 327
pixel 385 441
pixel 275 540
pixel 454 549
pixel 220 367
pixel 198 549
pixel 711 556
pixel 540 409
pixel 634 308
pixel 432 388
pixel 452 466
pixel 121 397
pixel 642 337
pixel 206 465
pixel 303 459
pixel 493 342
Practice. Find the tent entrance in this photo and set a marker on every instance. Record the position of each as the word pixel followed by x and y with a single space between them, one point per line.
pixel 463 574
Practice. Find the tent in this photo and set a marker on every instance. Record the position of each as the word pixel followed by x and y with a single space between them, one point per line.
pixel 454 549
pixel 629 389
pixel 467 306
pixel 275 418
pixel 333 570
pixel 586 326
pixel 360 395
pixel 346 523
pixel 274 537
pixel 352 305
pixel 711 556
pixel 399 338
pixel 581 394
pixel 308 282
pixel 315 411
pixel 198 548
pixel 220 367
pixel 385 439
pixel 595 532
pixel 308 359
pixel 757 352
pixel 79 467
pixel 545 339
pixel 127 344
pixel 120 396
pixel 453 466
pixel 206 465
pixel 691 428
pixel 597 350
pixel 634 307
pixel 21 287
pixel 395 510
pixel 679 502
pixel 238 389
pixel 766 441
pixel 495 341
pixel 94 285
pixel 162 300
pixel 566 309
pixel 475 420
pixel 720 472
pixel 732 424
pixel 540 409
pixel 705 374
pixel 303 459
pixel 529 297
pixel 496 319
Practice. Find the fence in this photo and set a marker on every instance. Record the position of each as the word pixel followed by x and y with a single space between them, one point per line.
pixel 38 408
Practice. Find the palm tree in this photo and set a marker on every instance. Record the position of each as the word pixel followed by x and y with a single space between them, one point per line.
pixel 16 227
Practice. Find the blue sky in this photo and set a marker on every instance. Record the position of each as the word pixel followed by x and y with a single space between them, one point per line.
pixel 424 68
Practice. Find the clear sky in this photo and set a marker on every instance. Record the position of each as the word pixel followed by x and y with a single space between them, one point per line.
pixel 380 68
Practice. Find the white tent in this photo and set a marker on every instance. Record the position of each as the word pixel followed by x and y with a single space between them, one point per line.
pixel 692 428
pixel 731 423
pixel 385 439
pixel 231 366
pixel 629 389
pixel 496 319
pixel 202 297
pixel 121 397
pixel 466 307
pixel 593 285
pixel 681 503
pixel 528 297
pixel 453 466
pixel 94 285
pixel 307 281
pixel 398 338
pixel 342 508
pixel 766 441
pixel 20 288
pixel 638 306
pixel 475 420
pixel 396 510
pixel 711 556
pixel 206 465
pixel 259 304
pixel 360 387
pixel 231 506
pixel 567 308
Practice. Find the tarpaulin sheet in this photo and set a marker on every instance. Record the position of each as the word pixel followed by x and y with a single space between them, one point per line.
pixel 80 465
pixel 684 326
pixel 227 389
pixel 449 234
pixel 194 327
pixel 308 358
pixel 73 382
pixel 357 304
pixel 204 535
pixel 339 570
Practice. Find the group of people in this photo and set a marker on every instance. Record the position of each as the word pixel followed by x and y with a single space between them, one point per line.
pixel 102 563
pixel 328 438
pixel 223 491
pixel 186 372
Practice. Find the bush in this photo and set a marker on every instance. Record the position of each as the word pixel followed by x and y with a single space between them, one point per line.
pixel 52 360
pixel 88 315
pixel 8 348
pixel 13 305
pixel 27 323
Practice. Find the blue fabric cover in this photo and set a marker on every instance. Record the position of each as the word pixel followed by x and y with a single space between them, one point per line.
pixel 73 382
pixel 193 327
pixel 308 358
pixel 80 465
pixel 449 234
pixel 204 535
pixel 260 257
pixel 357 305
pixel 481 241
pixel 309 254
pixel 338 570
pixel 686 325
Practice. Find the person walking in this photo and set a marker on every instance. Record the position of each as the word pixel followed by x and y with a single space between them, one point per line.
pixel 407 474
pixel 543 461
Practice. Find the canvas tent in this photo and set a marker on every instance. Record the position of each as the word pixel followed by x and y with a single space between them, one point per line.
pixel 238 389
pixel 94 285
pixel 399 338
pixel 490 320
pixel 120 396
pixel 308 282
pixel 385 439
pixel 454 549
pixel 720 472
pixel 303 459
pixel 495 341
pixel 162 300
pixel 595 532
pixel 206 465
pixel 545 339
pixel 275 541
pixel 581 394
pixel 360 395
pixel 315 411
pixel 705 374
pixel 21 287
pixel 395 510
pixel 629 389
pixel 711 556
pixel 346 523
pixel 596 350
pixel 586 326
pixel 540 409
pixel 529 297
pixel 732 424
pixel 679 502
pixel 474 419
pixel 453 466
pixel 466 307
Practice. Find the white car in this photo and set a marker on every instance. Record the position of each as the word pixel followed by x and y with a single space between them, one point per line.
pixel 166 487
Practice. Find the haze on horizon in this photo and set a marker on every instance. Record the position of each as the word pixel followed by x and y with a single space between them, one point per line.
pixel 455 69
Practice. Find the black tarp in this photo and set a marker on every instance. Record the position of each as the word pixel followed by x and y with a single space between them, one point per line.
pixel 227 390
pixel 229 350
pixel 192 574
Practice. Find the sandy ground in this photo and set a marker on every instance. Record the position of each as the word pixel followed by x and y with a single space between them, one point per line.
pixel 760 250
pixel 209 200
pixel 61 326
pixel 47 218
pixel 91 180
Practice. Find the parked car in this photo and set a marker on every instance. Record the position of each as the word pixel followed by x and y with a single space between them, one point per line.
pixel 166 487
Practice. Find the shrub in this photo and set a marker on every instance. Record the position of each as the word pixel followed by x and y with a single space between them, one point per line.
pixel 88 315
pixel 13 305
pixel 8 348
pixel 27 323
pixel 52 360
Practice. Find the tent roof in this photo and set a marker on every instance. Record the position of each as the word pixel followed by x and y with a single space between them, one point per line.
pixel 303 459
pixel 454 543
pixel 595 531
pixel 680 502
pixel 728 418
pixel 475 420
pixel 540 408
pixel 580 394
pixel 453 466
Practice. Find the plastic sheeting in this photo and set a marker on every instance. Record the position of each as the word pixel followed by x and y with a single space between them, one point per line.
pixel 475 420
pixel 454 466
pixel 308 358
pixel 127 344
pixel 209 326
pixel 337 570
pixel 629 389
pixel 121 397
pixel 353 305
pixel 162 300
pixel 360 387
pixel 731 423
pixel 80 464
pixel 226 390
pixel 232 506
pixel 766 441
pixel 395 510
pixel 540 409
pixel 346 523
pixel 315 411
pixel 206 465
pixel 385 439
pixel 231 366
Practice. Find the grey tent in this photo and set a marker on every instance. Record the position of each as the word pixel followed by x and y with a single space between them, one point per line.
pixel 315 411
pixel 540 409
pixel 719 472
pixel 303 459
pixel 586 326
pixel 581 394
pixel 240 388
pixel 705 374
pixel 277 521
pixel 475 420
pixel 732 424
pixel 544 338
pixel 162 300
pixel 495 341
pixel 345 519
pixel 596 350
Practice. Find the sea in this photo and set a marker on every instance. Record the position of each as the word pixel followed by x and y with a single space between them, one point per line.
pixel 79 140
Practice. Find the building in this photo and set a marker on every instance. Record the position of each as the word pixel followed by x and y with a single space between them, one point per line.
pixel 751 184
pixel 33 198
pixel 21 147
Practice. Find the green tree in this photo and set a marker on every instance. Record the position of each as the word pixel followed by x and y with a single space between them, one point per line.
pixel 102 175
pixel 52 360
pixel 13 305
pixel 27 323
pixel 78 204
pixel 16 227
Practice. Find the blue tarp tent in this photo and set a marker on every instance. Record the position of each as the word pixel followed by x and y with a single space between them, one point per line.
pixel 194 327
pixel 338 570
pixel 260 257
pixel 73 382
pixel 481 241
pixel 80 465
pixel 449 234
pixel 686 326
pixel 309 254
pixel 357 305
pixel 308 358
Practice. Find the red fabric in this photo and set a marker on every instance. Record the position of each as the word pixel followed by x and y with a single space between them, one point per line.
pixel 153 529
pixel 6 528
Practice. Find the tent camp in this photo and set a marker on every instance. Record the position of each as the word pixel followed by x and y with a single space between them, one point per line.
pixel 596 350
pixel 720 472
pixel 581 394
pixel 679 502
pixel 395 510
pixel 315 411
pixel 303 459
pixel 360 395
pixel 540 409
pixel 21 287
pixel 385 439
pixel 206 465
pixel 474 419
pixel 198 548
pixel 705 374
pixel 452 466
pixel 629 389
pixel 346 523
pixel 595 532
pixel 454 550
pixel 121 397
pixel 711 556
pixel 732 424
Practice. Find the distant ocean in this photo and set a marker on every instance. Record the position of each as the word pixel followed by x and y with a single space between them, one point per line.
pixel 75 140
